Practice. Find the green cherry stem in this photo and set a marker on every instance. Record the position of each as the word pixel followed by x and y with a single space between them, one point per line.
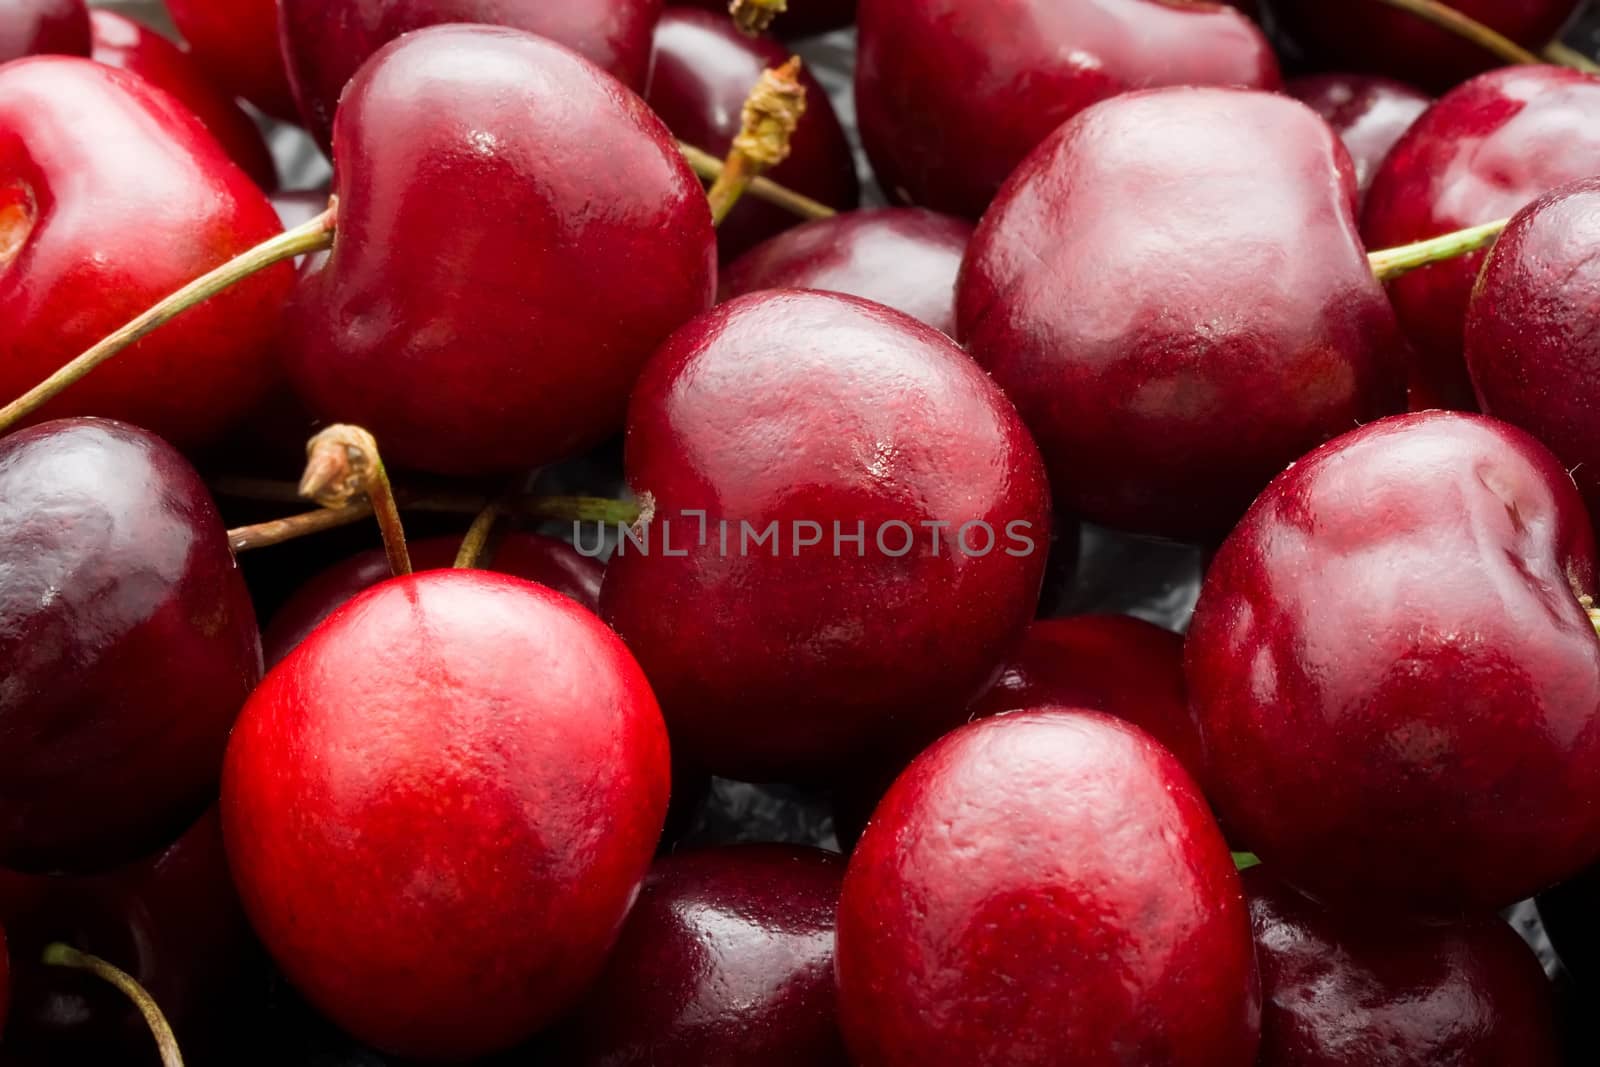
pixel 1390 263
pixel 60 955
pixel 1467 28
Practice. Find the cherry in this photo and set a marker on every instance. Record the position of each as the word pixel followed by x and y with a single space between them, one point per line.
pixel 1572 920
pixel 112 196
pixel 725 961
pixel 1532 357
pixel 122 42
pixel 906 258
pixel 702 69
pixel 551 563
pixel 517 232
pixel 954 94
pixel 783 418
pixel 39 27
pixel 1368 113
pixel 1045 887
pixel 1368 991
pixel 1481 153
pixel 1173 292
pixel 1394 673
pixel 439 806
pixel 803 18
pixel 326 41
pixel 236 41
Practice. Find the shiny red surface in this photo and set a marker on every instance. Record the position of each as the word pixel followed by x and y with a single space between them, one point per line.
pixel 439 807
pixel 1041 888
pixel 1173 292
pixel 702 68
pixel 785 407
pixel 1368 113
pixel 1391 666
pixel 953 94
pixel 905 258
pixel 1481 153
pixel 517 234
pixel 237 42
pixel 129 643
pixel 43 27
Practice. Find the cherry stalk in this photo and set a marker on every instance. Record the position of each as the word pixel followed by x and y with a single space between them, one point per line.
pixel 57 954
pixel 1491 40
pixel 342 462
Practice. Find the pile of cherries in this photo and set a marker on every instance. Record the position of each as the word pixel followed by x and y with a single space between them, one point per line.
pixel 768 487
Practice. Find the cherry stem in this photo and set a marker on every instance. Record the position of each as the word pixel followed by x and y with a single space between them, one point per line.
pixel 1564 56
pixel 277 531
pixel 755 16
pixel 771 112
pixel 1243 861
pixel 342 462
pixel 60 955
pixel 1390 263
pixel 709 168
pixel 475 550
pixel 313 236
pixel 1467 28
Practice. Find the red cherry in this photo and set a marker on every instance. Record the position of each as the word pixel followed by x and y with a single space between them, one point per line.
pixel 1368 113
pixel 905 258
pixel 726 961
pixel 1481 153
pixel 112 196
pixel 517 232
pixel 1394 674
pixel 1045 887
pixel 954 94
pixel 1173 292
pixel 1367 991
pixel 785 408
pixel 121 42
pixel 702 69
pixel 128 639
pixel 237 42
pixel 327 41
pixel 43 27
pixel 438 809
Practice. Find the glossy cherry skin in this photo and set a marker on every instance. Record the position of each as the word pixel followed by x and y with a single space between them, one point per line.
pixel 517 233
pixel 438 809
pixel 1173 292
pixel 122 42
pixel 326 41
pixel 802 19
pixel 702 68
pixel 778 661
pixel 1045 887
pixel 1367 112
pixel 1373 37
pixel 726 960
pixel 551 563
pixel 112 196
pixel 1391 667
pixel 171 920
pixel 43 27
pixel 1481 153
pixel 1366 991
pixel 129 643
pixel 237 42
pixel 1533 360
pixel 953 94
pixel 905 258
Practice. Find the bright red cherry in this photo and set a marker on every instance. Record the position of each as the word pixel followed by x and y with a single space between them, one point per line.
pixel 1394 673
pixel 1368 113
pixel 1040 888
pixel 1481 153
pixel 1173 292
pixel 43 27
pixel 517 233
pixel 782 419
pixel 237 42
pixel 905 258
pixel 438 809
pixel 953 94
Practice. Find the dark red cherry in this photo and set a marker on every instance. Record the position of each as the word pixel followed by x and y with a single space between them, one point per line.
pixel 43 27
pixel 237 42
pixel 1365 990
pixel 905 258
pixel 1368 113
pixel 780 419
pixel 1394 674
pixel 1173 292
pixel 1481 153
pixel 726 960
pixel 517 233
pixel 1040 888
pixel 953 94
pixel 326 41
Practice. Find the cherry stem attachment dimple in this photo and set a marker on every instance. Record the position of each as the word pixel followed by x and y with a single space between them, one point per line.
pixel 313 236
pixel 1468 29
pixel 1390 263
pixel 754 17
pixel 61 955
pixel 771 113
pixel 342 462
